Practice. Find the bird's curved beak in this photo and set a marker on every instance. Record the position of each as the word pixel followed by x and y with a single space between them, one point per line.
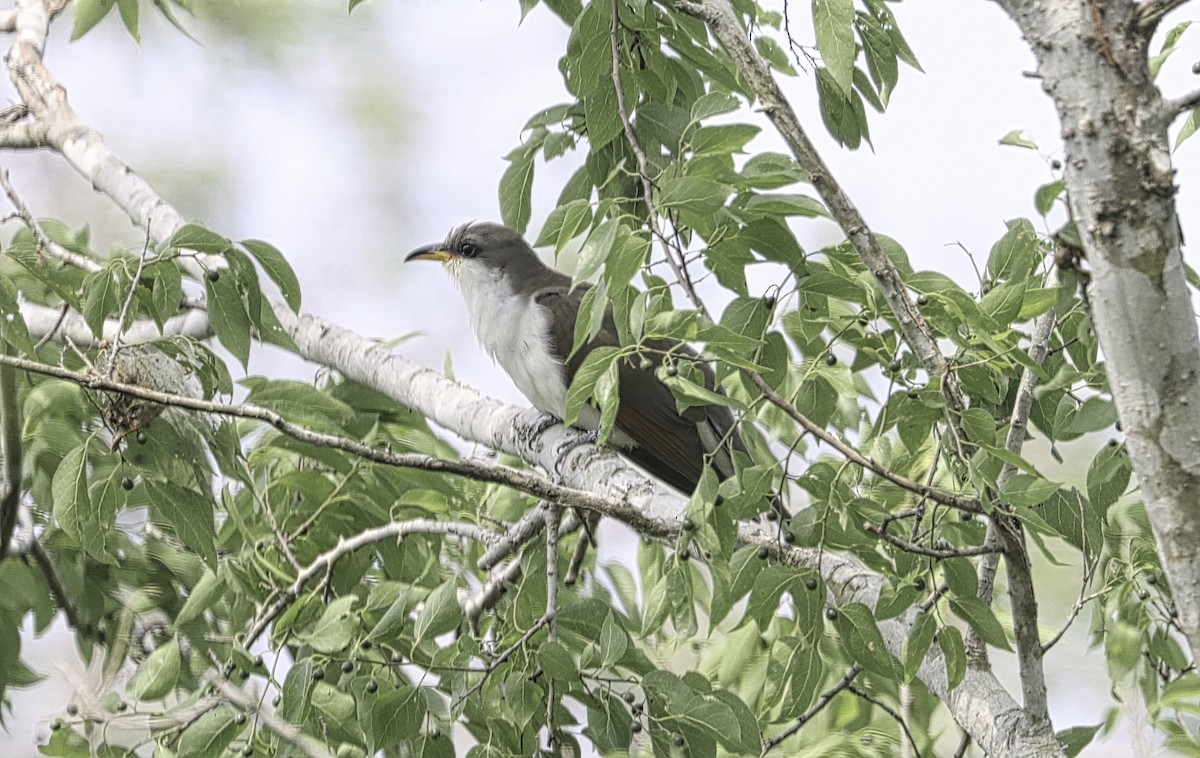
pixel 434 252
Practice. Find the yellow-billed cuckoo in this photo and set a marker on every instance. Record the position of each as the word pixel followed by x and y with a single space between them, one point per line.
pixel 523 313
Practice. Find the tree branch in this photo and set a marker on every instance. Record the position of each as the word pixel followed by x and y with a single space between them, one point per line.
pixel 968 504
pixel 824 700
pixel 1151 12
pixel 10 456
pixel 722 21
pixel 1176 106
pixel 47 323
pixel 395 530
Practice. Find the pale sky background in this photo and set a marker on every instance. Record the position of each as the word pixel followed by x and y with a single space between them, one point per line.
pixel 348 140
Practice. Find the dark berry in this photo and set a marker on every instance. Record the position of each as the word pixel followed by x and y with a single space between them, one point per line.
pixel 922 299
pixel 366 645
pixel 677 740
pixel 763 553
pixel 318 674
pixel 831 360
pixel 894 366
pixel 275 701
pixel 214 275
pixel 240 718
pixel 789 538
pixel 72 710
pixel 1151 579
pixel 56 724
pixel 372 686
pixel 635 727
pixel 688 525
pixel 127 484
pixel 919 583
pixel 1143 594
pixel 141 438
pixel 1056 164
pixel 347 667
pixel 810 583
pixel 645 364
pixel 831 613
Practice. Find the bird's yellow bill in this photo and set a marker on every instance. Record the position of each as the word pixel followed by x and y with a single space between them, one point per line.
pixel 428 254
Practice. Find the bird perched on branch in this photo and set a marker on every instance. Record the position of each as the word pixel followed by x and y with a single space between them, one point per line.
pixel 524 312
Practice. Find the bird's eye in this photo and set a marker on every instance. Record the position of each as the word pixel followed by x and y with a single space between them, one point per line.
pixel 468 249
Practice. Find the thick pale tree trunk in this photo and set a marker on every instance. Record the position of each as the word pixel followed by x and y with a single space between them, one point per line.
pixel 1092 58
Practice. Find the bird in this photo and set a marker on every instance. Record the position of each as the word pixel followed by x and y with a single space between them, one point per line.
pixel 523 313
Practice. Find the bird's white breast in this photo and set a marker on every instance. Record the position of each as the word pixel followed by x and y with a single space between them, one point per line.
pixel 515 332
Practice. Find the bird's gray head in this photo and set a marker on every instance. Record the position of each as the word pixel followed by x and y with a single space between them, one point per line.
pixel 482 250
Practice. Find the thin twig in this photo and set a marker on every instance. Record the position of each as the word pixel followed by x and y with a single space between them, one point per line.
pixel 285 731
pixel 814 709
pixel 124 314
pixel 501 658
pixel 523 481
pixel 57 590
pixel 46 246
pixel 889 711
pixel 1178 105
pixel 395 530
pixel 930 552
pixel 643 166
pixel 959 502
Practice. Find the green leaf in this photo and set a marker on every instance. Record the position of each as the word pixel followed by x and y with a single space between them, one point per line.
pixel 863 640
pixel 1096 414
pixel 73 507
pixel 564 224
pixel 228 317
pixel 692 193
pixel 779 204
pixel 158 674
pixel 557 662
pixel 1108 476
pixel 597 363
pixel 982 620
pixel 1046 194
pixel 299 402
pixel 772 170
pixel 916 645
pixel 441 612
pixel 833 20
pixel 209 735
pixel 516 186
pixel 722 140
pixel 1028 490
pixel 206 592
pixel 129 16
pixel 198 238
pixel 613 642
pixel 625 260
pixel 88 13
pixel 1189 127
pixel 843 113
pixel 277 267
pixel 713 104
pixel 101 299
pixel 336 627
pixel 188 512
pixel 951 642
pixel 595 250
pixel 396 716
pixel 297 691
pixel 1017 139
pixel 1016 253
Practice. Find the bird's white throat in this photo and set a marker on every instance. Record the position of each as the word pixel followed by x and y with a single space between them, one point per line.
pixel 514 330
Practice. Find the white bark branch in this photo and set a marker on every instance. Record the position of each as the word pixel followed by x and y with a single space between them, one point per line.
pixel 1121 188
pixel 50 323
